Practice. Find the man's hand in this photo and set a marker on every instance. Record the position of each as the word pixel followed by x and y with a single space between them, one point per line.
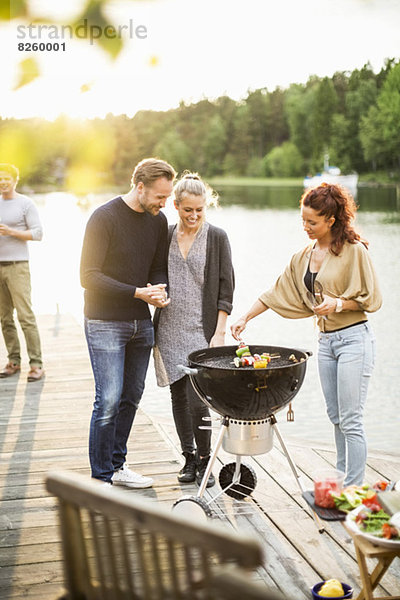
pixel 154 294
pixel 5 230
pixel 17 233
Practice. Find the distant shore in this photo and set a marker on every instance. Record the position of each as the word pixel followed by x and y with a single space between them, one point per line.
pixel 365 180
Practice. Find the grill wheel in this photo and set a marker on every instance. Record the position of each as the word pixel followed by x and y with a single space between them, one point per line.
pixel 192 507
pixel 246 484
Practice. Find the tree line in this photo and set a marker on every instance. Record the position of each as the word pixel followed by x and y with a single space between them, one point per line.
pixel 354 116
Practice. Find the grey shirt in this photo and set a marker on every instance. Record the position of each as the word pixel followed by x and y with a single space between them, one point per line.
pixel 18 213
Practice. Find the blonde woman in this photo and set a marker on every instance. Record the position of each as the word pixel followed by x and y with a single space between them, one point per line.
pixel 201 283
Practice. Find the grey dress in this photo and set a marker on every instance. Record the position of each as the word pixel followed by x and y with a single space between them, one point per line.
pixel 180 327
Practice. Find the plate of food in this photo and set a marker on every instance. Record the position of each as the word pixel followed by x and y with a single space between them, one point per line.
pixel 372 523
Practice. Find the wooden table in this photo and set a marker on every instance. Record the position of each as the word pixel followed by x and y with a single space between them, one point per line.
pixel 384 556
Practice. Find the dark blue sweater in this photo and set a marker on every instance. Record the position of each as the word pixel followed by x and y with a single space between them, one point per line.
pixel 122 250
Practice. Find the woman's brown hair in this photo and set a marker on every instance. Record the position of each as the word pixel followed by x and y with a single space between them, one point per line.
pixel 331 200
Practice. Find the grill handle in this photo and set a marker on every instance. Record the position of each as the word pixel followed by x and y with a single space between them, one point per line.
pixel 308 352
pixel 192 376
pixel 187 370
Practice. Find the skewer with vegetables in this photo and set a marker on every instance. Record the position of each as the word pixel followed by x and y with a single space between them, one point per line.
pixel 244 358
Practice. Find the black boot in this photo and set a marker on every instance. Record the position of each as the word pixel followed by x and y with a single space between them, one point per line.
pixel 188 472
pixel 201 469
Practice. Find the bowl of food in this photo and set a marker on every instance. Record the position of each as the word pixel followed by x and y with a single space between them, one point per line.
pixel 331 588
pixel 373 524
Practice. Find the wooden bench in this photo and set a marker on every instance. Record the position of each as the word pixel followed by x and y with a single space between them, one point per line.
pixel 118 547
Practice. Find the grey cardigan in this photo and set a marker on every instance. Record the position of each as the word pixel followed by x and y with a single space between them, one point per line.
pixel 219 279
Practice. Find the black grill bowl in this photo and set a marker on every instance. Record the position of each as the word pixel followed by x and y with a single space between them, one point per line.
pixel 246 393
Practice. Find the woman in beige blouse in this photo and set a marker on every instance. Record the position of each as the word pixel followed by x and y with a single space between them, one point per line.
pixel 333 278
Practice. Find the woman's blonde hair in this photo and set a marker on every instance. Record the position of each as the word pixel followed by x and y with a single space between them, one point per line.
pixel 191 183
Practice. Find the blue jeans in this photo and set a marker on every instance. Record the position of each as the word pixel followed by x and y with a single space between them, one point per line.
pixel 119 352
pixel 345 362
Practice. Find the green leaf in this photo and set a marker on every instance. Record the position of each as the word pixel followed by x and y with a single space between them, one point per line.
pixel 12 9
pixel 99 29
pixel 28 70
pixel 112 46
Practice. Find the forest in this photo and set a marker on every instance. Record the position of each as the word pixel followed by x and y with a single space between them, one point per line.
pixel 353 116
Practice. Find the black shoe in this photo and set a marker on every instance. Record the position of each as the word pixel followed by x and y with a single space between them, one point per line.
pixel 188 472
pixel 201 469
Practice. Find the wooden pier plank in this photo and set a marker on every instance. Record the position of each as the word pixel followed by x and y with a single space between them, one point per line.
pixel 44 426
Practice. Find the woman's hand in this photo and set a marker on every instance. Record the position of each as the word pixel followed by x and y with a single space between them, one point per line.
pixel 154 294
pixel 327 307
pixel 218 339
pixel 238 327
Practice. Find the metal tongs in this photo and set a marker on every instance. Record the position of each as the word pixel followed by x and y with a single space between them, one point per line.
pixel 317 297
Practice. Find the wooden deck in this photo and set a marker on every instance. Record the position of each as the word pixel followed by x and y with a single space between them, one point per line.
pixel 44 426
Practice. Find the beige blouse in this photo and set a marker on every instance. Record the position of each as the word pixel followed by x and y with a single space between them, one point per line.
pixel 350 276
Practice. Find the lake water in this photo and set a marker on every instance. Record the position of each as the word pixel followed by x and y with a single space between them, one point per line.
pixel 265 229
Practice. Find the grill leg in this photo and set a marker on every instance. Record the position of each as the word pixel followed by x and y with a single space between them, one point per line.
pixel 236 475
pixel 297 475
pixel 213 456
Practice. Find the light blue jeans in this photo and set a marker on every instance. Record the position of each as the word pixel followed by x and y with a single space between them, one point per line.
pixel 119 352
pixel 345 362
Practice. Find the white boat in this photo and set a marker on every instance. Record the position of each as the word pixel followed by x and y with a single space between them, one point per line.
pixel 332 175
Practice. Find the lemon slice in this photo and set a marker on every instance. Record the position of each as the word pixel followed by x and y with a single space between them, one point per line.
pixel 332 588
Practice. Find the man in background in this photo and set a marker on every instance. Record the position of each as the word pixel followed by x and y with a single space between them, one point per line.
pixel 123 270
pixel 19 223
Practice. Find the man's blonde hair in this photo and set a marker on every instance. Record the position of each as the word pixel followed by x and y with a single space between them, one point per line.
pixel 10 169
pixel 150 169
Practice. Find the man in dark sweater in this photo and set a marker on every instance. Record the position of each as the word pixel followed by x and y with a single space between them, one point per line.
pixel 123 270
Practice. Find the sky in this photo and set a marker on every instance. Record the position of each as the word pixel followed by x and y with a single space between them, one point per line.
pixel 187 50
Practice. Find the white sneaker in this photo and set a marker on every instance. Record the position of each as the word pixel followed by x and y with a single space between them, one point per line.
pixel 125 476
pixel 102 483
